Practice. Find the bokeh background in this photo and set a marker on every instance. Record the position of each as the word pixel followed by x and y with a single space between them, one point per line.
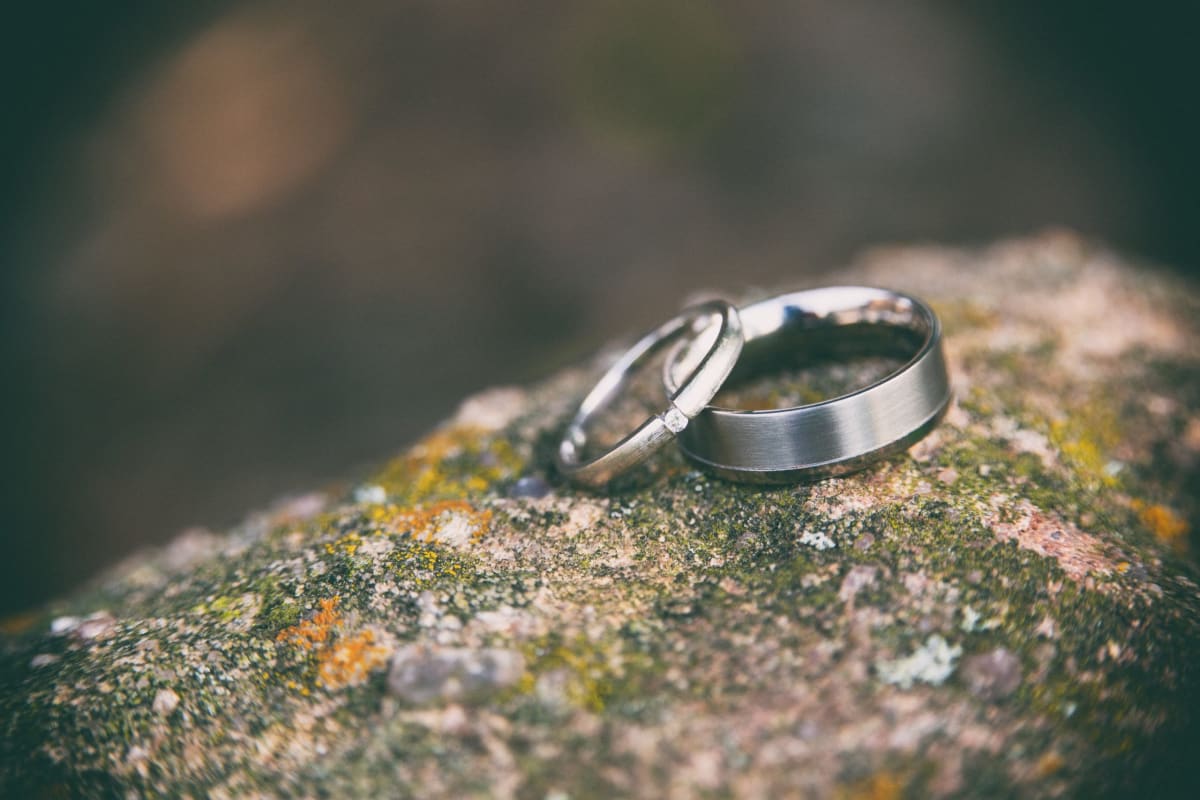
pixel 249 247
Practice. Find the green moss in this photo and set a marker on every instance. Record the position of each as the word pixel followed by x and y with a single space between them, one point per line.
pixel 279 609
pixel 962 316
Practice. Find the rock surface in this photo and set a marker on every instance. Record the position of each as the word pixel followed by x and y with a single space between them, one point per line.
pixel 1010 607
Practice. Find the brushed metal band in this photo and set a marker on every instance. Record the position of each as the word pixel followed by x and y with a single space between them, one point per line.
pixel 834 436
pixel 686 400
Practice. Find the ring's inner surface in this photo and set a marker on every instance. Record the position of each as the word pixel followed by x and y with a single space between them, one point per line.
pixel 795 356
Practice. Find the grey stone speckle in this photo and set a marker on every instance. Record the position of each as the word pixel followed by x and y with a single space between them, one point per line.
pixel 94 626
pixel 857 579
pixel 165 702
pixel 421 675
pixel 993 675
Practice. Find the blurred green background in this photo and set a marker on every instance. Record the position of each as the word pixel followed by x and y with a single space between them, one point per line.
pixel 250 246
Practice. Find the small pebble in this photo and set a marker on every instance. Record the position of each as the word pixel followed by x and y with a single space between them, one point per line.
pixel 993 675
pixel 531 486
pixel 422 675
pixel 165 702
pixel 370 495
pixel 95 626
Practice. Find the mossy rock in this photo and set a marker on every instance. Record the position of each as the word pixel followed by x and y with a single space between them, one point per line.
pixel 1008 608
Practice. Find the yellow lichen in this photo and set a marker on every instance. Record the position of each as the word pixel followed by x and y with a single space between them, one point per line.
pixel 347 544
pixel 589 671
pixel 350 661
pixel 1168 527
pixel 1086 438
pixel 451 463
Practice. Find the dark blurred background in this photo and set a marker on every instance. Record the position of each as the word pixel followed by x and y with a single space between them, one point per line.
pixel 250 246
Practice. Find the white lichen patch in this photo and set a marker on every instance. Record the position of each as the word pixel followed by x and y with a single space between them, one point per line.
pixel 932 663
pixel 974 622
pixel 970 619
pixel 817 540
pixel 376 547
pixel 457 530
pixel 370 494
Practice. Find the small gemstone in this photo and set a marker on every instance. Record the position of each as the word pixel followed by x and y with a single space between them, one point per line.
pixel 674 420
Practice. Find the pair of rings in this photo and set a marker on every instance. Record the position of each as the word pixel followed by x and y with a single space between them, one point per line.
pixel 715 342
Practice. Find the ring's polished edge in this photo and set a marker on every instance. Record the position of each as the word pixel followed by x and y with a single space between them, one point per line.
pixel 835 436
pixel 685 402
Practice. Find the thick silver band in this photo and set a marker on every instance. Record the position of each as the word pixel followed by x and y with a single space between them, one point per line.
pixel 844 433
pixel 686 400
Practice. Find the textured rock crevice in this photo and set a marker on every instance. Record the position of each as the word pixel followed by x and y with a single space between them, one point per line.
pixel 1011 606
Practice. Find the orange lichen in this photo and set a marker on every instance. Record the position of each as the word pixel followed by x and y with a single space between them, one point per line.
pixel 1168 527
pixel 881 786
pixel 421 522
pixel 1050 763
pixel 313 633
pixel 18 623
pixel 341 662
pixel 350 661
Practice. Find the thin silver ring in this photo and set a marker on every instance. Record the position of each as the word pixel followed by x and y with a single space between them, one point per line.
pixel 691 395
pixel 835 436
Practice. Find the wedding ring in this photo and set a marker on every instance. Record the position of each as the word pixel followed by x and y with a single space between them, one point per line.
pixel 712 366
pixel 834 436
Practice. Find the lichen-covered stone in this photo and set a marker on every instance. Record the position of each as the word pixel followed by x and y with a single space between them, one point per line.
pixel 1008 608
